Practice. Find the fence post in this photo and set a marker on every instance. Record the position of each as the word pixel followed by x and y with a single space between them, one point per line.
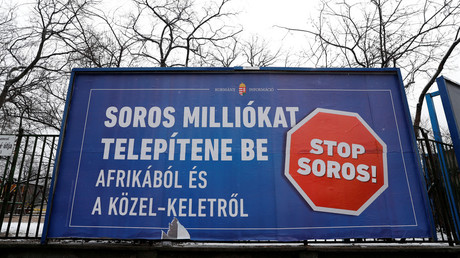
pixel 9 182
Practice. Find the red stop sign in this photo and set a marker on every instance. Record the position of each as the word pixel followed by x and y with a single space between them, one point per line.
pixel 336 162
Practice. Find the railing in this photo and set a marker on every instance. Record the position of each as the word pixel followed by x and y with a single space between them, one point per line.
pixel 25 179
pixel 24 185
pixel 441 174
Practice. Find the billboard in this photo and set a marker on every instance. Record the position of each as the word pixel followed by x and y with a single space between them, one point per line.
pixel 450 95
pixel 229 154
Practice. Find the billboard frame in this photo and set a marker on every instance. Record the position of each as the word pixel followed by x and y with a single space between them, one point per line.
pixel 78 71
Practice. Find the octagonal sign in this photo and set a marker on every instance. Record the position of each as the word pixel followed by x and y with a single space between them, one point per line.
pixel 336 162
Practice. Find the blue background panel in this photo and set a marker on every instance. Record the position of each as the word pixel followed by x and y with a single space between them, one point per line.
pixel 260 203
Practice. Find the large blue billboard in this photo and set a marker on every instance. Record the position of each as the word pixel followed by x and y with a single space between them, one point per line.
pixel 234 154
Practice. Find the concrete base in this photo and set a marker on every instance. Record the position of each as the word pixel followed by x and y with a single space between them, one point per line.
pixel 168 249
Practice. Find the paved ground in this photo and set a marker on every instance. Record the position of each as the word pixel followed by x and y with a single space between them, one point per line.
pixel 23 224
pixel 24 219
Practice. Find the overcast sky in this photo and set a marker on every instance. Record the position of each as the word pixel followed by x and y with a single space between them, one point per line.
pixel 262 17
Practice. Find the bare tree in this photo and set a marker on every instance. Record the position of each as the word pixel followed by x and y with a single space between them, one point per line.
pixel 418 37
pixel 102 39
pixel 225 54
pixel 418 111
pixel 258 53
pixel 255 52
pixel 36 56
pixel 177 33
pixel 31 55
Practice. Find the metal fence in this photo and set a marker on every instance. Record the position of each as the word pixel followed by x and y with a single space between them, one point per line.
pixel 442 176
pixel 24 185
pixel 26 175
